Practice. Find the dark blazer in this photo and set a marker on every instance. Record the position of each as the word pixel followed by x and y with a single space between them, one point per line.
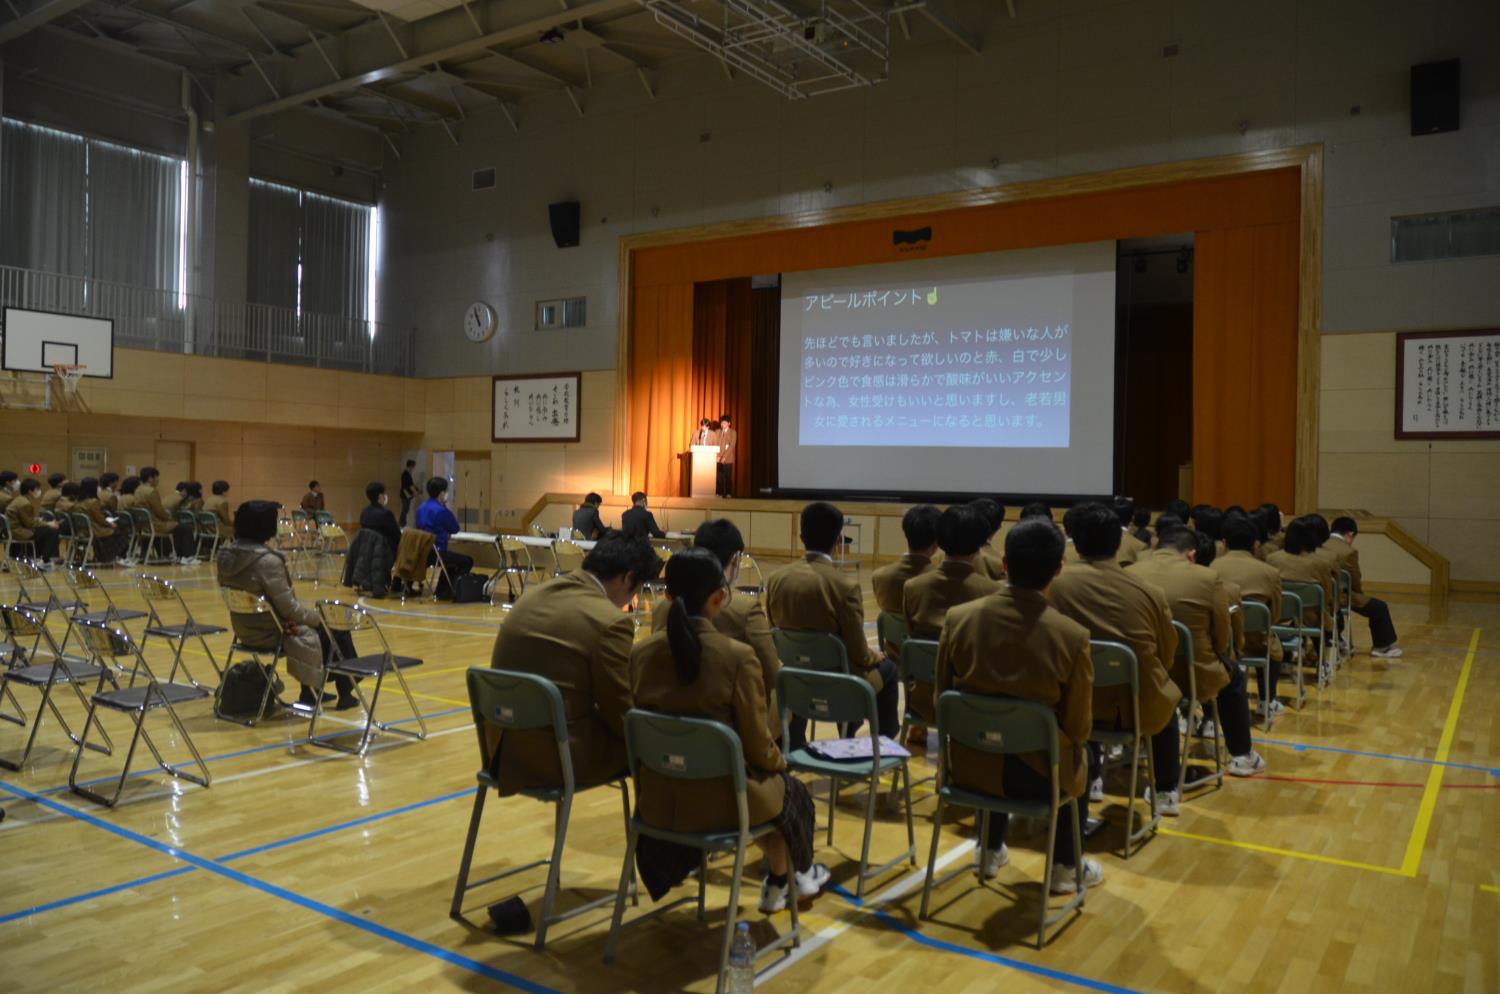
pixel 638 521
pixel 381 521
pixel 587 524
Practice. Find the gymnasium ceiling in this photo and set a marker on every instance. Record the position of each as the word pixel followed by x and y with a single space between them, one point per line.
pixel 393 65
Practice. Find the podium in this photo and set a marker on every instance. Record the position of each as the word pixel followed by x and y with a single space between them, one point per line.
pixel 705 463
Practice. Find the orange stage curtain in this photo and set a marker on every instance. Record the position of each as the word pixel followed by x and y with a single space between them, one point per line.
pixel 723 311
pixel 662 417
pixel 1245 365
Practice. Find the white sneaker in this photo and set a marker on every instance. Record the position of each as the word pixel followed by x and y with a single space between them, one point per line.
pixel 811 883
pixel 1065 879
pixel 1275 709
pixel 992 860
pixel 772 897
pixel 1169 804
pixel 1206 728
pixel 1181 724
pixel 1392 651
pixel 1096 789
pixel 1248 765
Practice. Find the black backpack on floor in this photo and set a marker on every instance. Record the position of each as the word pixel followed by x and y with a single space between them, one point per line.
pixel 470 588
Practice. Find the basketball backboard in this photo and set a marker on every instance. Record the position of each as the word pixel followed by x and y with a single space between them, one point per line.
pixel 35 341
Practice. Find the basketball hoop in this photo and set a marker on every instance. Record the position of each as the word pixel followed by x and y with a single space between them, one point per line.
pixel 68 374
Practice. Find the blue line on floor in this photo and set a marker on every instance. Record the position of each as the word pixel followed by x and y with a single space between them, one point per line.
pixel 1304 747
pixel 91 895
pixel 291 897
pixel 1015 964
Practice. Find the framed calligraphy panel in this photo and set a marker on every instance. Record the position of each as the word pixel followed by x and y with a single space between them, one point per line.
pixel 1448 384
pixel 541 407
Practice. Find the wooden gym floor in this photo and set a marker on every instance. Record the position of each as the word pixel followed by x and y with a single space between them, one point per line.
pixel 1365 861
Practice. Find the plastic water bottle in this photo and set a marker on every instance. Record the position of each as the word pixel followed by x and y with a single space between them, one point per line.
pixel 740 977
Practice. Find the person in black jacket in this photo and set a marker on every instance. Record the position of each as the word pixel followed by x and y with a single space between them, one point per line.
pixel 377 517
pixel 638 522
pixel 586 522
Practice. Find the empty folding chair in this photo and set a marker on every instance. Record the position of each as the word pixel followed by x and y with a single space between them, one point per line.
pixel 88 591
pixel 350 619
pixel 137 701
pixel 34 589
pixel 692 749
pixel 81 552
pixel 206 532
pixel 514 702
pixel 848 700
pixel 918 676
pixel 1003 726
pixel 566 556
pixel 1115 665
pixel 1210 708
pixel 19 623
pixel 515 561
pixel 248 608
pixel 66 542
pixel 160 593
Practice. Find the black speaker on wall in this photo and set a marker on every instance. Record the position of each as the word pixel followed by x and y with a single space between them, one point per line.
pixel 564 219
pixel 1434 97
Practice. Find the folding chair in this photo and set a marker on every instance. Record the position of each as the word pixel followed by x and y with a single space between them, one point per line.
pixel 207 530
pixel 82 550
pixel 136 701
pixel 65 539
pixel 33 589
pixel 1258 622
pixel 1346 609
pixel 333 542
pixel 7 541
pixel 848 700
pixel 515 560
pixel 517 701
pixel 350 618
pixel 157 592
pixel 321 518
pixel 84 584
pixel 918 665
pixel 891 631
pixel 567 557
pixel 145 530
pixel 20 623
pixel 749 566
pixel 1115 665
pixel 1312 600
pixel 244 604
pixel 692 749
pixel 1216 778
pixel 1288 628
pixel 125 528
pixel 1003 726
pixel 821 651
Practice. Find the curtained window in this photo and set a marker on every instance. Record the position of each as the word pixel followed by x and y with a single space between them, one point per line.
pixel 310 252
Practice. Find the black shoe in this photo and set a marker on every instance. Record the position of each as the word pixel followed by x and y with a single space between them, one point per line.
pixel 345 703
pixel 510 916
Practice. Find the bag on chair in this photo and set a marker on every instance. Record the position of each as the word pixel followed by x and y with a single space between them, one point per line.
pixel 244 688
pixel 470 588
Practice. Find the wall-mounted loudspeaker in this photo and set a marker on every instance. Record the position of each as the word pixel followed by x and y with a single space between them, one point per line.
pixel 564 219
pixel 1434 97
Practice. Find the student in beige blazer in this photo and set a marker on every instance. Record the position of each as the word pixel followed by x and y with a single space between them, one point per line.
pixel 23 514
pixel 919 525
pixel 575 631
pixel 1012 643
pixel 728 440
pixel 217 504
pixel 162 523
pixel 815 595
pixel 1259 581
pixel 1131 548
pixel 690 668
pixel 1375 610
pixel 990 562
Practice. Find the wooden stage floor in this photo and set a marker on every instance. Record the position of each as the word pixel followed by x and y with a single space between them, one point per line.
pixel 1360 863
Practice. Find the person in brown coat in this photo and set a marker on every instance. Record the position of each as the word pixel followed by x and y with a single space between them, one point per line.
pixel 163 523
pixel 728 440
pixel 741 617
pixel 1297 560
pixel 1257 581
pixel 53 493
pixel 574 631
pixel 23 516
pixel 218 505
pixel 1012 643
pixel 10 485
pixel 312 501
pixel 249 564
pixel 1198 600
pixel 1115 605
pixel 1131 548
pixel 919 525
pixel 961 534
pixel 990 562
pixel 1373 609
pixel 814 595
pixel 692 669
pixel 108 544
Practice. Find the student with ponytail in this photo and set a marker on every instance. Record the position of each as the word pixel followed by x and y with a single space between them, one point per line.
pixel 689 668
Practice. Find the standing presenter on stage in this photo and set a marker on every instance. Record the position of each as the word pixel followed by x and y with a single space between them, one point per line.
pixel 728 438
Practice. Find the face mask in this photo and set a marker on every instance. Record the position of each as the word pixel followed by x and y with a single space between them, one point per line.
pixel 384 500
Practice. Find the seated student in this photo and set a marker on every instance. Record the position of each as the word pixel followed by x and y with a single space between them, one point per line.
pixel 249 564
pixel 109 494
pixel 1197 598
pixel 129 497
pixel 434 517
pixel 377 517
pixel 926 600
pixel 218 505
pixel 192 497
pixel 919 525
pixel 990 562
pixel 638 521
pixel 67 501
pixel 162 523
pixel 814 595
pixel 1131 548
pixel 1179 509
pixel 1257 581
pixel 586 522
pixel 1297 560
pixel 689 667
pixel 312 501
pixel 741 617
pixel 23 514
pixel 108 544
pixel 372 554
pixel 1268 517
pixel 1012 643
pixel 1036 509
pixel 10 485
pixel 1208 553
pixel 1375 610
pixel 1070 521
pixel 53 493
pixel 1140 527
pixel 1116 605
pixel 575 632
pixel 1210 521
pixel 173 501
pixel 1321 534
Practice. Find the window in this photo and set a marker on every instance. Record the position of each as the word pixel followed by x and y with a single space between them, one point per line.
pixel 312 253
pixel 568 312
pixel 1446 235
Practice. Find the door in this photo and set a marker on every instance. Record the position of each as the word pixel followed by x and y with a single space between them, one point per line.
pixel 175 460
pixel 471 485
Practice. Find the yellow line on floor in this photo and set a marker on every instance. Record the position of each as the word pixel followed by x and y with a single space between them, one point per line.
pixel 1489 888
pixel 445 700
pixel 1272 850
pixel 1418 841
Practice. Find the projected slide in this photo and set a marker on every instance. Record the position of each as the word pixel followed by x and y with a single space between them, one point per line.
pixel 985 373
pixel 976 363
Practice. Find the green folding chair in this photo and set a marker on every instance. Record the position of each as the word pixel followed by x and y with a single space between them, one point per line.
pixel 890 629
pixel 918 665
pixel 206 530
pixel 81 553
pixel 1288 628
pixel 845 700
pixel 514 702
pixel 807 650
pixel 25 545
pixel 1210 707
pixel 1003 726
pixel 1115 665
pixel 1257 621
pixel 1313 602
pixel 692 749
pixel 20 623
pixel 1346 608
